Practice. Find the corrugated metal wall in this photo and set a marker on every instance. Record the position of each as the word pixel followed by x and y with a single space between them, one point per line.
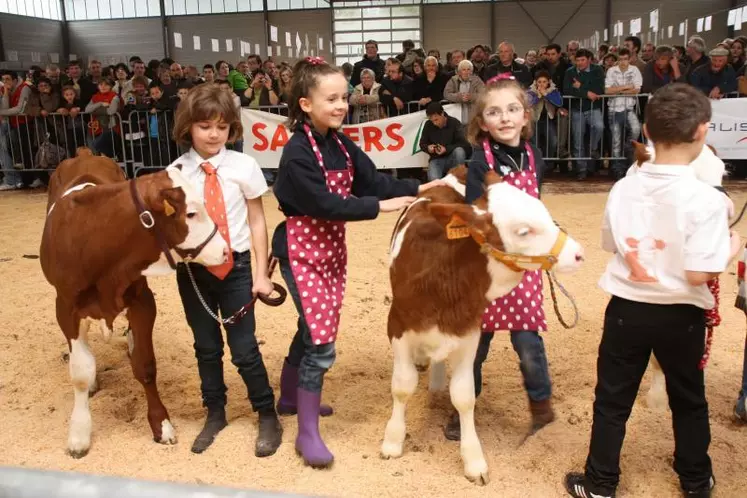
pixel 246 27
pixel 672 13
pixel 30 40
pixel 313 24
pixel 455 26
pixel 116 40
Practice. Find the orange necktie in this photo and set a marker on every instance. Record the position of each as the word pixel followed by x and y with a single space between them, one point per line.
pixel 217 210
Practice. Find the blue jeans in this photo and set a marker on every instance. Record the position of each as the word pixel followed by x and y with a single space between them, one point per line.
pixel 743 392
pixel 12 176
pixel 582 146
pixel 229 294
pixel 546 137
pixel 533 362
pixel 311 360
pixel 437 168
pixel 624 127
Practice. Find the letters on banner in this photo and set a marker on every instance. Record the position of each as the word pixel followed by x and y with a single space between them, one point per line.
pixel 390 143
pixel 728 129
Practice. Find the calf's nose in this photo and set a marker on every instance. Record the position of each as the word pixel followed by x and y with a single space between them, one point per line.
pixel 580 255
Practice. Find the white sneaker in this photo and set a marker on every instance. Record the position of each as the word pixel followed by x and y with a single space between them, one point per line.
pixel 5 187
pixel 36 184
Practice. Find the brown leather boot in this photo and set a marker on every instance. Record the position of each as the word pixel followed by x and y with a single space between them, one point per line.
pixel 542 414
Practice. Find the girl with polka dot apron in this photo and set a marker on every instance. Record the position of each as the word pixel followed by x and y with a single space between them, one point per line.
pixel 500 145
pixel 324 180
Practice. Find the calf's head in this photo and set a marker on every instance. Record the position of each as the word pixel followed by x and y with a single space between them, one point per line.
pixel 183 219
pixel 513 227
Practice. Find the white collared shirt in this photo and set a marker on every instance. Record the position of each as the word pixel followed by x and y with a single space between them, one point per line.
pixel 240 179
pixel 616 77
pixel 661 222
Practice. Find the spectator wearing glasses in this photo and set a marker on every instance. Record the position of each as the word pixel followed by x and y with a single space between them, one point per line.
pixel 396 90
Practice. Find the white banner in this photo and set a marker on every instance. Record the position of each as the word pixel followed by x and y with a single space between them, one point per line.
pixel 728 131
pixel 390 143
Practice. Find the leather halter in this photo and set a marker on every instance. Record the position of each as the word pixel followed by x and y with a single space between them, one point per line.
pixel 458 229
pixel 147 220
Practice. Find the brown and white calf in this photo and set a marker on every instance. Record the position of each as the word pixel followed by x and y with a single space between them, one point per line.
pixel 96 249
pixel 449 260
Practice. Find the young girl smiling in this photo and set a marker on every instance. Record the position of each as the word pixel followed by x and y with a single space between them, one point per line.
pixel 499 131
pixel 323 180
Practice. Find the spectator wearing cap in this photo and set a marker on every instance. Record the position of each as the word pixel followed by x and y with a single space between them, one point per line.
pixel 464 88
pixel 507 65
pixel 443 140
pixel 717 78
pixel 664 69
pixel 696 56
pixel 371 61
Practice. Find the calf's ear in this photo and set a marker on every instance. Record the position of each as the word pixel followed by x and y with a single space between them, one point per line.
pixel 170 200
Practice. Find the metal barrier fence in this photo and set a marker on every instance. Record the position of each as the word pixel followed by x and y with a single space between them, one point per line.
pixel 32 146
pixel 581 131
pixel 29 483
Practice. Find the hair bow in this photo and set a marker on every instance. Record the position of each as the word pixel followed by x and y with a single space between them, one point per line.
pixel 315 61
pixel 502 76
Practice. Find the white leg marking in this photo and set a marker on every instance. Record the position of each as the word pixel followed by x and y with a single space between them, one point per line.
pixel 657 398
pixel 130 342
pixel 404 383
pixel 83 377
pixel 105 330
pixel 462 389
pixel 168 433
pixel 437 378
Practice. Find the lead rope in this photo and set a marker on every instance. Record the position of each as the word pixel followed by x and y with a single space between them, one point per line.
pixel 552 279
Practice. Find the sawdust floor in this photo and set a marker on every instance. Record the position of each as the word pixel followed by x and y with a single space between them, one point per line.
pixel 36 396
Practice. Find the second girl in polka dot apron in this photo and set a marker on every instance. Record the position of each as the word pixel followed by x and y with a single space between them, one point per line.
pixel 319 256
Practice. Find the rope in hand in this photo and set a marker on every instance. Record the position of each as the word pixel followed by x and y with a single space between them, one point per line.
pixel 269 301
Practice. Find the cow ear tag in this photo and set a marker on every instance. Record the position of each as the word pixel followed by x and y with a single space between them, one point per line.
pixel 457 228
pixel 168 208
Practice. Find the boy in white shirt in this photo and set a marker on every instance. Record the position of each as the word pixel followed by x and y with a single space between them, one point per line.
pixel 669 235
pixel 622 79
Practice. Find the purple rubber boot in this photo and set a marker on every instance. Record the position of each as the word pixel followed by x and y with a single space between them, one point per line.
pixel 309 443
pixel 288 386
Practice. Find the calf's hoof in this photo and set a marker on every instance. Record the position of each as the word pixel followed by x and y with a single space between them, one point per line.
pixel 477 472
pixel 391 450
pixel 77 453
pixel 168 433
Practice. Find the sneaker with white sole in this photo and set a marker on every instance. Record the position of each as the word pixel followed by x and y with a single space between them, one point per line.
pixel 575 484
pixel 704 492
pixel 36 184
pixel 5 187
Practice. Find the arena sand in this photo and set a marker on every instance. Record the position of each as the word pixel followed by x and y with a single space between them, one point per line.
pixel 36 396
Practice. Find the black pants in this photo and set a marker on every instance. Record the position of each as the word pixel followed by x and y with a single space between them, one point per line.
pixel 229 294
pixel 676 335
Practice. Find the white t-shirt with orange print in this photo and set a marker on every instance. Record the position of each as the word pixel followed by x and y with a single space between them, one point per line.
pixel 660 222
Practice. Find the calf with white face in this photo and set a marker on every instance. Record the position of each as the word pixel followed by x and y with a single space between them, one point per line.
pixel 449 260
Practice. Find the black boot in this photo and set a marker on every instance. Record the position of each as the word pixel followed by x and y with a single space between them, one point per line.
pixel 269 435
pixel 215 422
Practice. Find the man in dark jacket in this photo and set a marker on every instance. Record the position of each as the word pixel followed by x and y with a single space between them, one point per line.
pixel 717 78
pixel 443 140
pixel 370 61
pixel 585 81
pixel 662 70
pixel 507 64
pixel 396 90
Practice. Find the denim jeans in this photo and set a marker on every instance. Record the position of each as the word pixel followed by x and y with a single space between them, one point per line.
pixel 584 143
pixel 12 176
pixel 743 391
pixel 624 127
pixel 229 295
pixel 533 362
pixel 437 168
pixel 546 137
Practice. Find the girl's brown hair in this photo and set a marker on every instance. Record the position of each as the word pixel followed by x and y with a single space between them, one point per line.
pixel 475 134
pixel 206 103
pixel 306 74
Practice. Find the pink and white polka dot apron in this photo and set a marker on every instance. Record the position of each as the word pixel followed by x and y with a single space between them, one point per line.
pixel 318 256
pixel 520 309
